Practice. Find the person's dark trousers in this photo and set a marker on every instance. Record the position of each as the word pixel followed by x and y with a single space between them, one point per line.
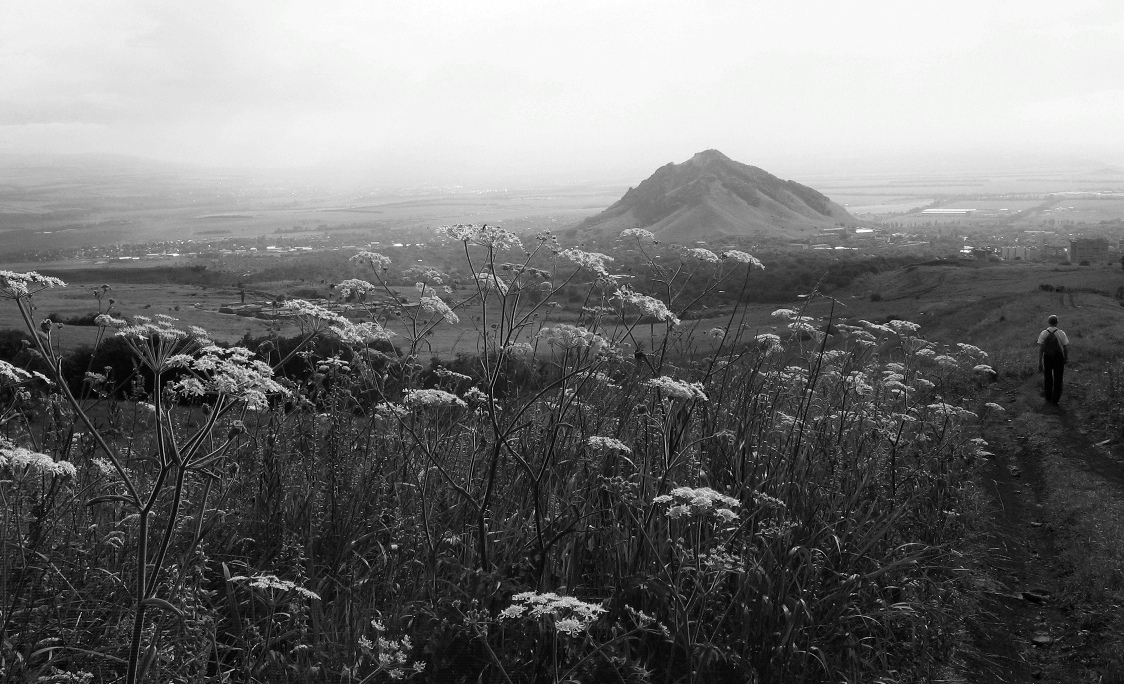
pixel 1052 375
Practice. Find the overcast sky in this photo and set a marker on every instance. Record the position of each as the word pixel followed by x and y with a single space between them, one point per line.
pixel 500 89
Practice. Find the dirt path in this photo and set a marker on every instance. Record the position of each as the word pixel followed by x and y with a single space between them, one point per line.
pixel 1049 579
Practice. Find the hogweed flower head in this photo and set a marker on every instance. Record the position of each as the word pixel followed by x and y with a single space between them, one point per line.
pixel 649 306
pixel 360 333
pixel 24 462
pixel 312 317
pixel 432 398
pixel 15 285
pixel 638 233
pixel 12 374
pixel 377 261
pixel 566 337
pixel 971 350
pixel 433 304
pixel 570 615
pixel 271 583
pixel 678 389
pixel 232 372
pixel 742 258
pixel 354 285
pixel 591 261
pixel 702 255
pixel 107 321
pixel 157 341
pixel 688 501
pixel 492 237
pixel 903 327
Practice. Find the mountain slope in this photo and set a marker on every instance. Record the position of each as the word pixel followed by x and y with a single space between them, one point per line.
pixel 711 195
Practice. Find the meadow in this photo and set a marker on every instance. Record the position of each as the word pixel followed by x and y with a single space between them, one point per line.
pixel 600 498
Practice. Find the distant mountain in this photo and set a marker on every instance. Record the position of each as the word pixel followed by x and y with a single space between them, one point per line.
pixel 710 196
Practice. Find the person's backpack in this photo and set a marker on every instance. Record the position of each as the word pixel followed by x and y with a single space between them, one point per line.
pixel 1052 347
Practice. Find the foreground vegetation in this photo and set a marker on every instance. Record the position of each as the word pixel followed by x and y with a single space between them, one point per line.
pixel 576 507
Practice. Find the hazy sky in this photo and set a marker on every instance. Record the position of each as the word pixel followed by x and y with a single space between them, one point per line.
pixel 501 89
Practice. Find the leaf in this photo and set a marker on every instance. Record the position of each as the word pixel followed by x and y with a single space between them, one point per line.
pixel 161 603
pixel 231 601
pixel 146 662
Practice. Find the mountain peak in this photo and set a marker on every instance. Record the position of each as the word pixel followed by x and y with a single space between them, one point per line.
pixel 711 195
pixel 707 156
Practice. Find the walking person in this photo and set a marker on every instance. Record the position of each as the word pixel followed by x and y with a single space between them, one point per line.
pixel 1053 353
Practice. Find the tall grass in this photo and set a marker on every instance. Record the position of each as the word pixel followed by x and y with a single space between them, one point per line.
pixel 629 499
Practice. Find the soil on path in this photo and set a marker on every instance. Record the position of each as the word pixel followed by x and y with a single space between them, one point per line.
pixel 1049 579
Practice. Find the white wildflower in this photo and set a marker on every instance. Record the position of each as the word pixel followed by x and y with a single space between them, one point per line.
pixel 570 615
pixel 272 583
pixel 591 261
pixel 638 233
pixel 484 235
pixel 431 398
pixel 903 327
pixel 14 285
pixel 389 410
pixel 24 462
pixel 946 360
pixel 566 337
pixel 434 305
pixel 354 286
pixel 742 258
pixel 106 321
pixel 678 389
pixel 767 340
pixel 378 261
pixel 13 374
pixel 973 351
pixel 702 255
pixel 649 306
pixel 697 501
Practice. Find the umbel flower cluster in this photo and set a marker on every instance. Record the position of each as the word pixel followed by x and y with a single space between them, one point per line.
pixel 567 337
pixel 15 285
pixel 23 462
pixel 273 584
pixel 678 389
pixel 569 615
pixel 232 372
pixel 688 501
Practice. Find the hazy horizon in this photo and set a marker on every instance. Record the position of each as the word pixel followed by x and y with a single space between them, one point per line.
pixel 510 92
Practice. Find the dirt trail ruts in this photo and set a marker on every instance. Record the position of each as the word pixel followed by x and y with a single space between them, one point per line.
pixel 1051 582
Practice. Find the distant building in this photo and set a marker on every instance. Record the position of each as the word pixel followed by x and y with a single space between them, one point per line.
pixel 1054 251
pixel 1093 250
